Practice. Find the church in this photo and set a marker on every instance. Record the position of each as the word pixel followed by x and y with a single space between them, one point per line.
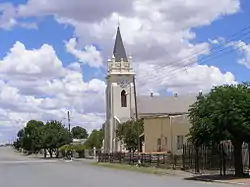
pixel 120 100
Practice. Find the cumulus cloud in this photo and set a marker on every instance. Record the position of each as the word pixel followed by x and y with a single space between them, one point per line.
pixel 89 55
pixel 189 80
pixel 34 84
pixel 158 34
pixel 7 15
pixel 244 51
pixel 9 18
pixel 83 10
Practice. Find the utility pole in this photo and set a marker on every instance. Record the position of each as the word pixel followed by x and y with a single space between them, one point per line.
pixel 69 120
pixel 136 115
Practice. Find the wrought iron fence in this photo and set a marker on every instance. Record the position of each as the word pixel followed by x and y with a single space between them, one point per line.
pixel 161 160
pixel 212 159
pixel 205 159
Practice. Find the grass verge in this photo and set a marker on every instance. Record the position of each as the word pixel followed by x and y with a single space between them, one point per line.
pixel 147 170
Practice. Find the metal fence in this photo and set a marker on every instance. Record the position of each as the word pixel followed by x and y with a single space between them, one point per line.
pixel 212 159
pixel 205 159
pixel 87 153
pixel 161 160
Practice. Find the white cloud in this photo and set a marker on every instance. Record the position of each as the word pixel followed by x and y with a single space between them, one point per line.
pixel 158 34
pixel 189 80
pixel 90 55
pixel 31 64
pixel 35 85
pixel 81 10
pixel 244 50
pixel 8 18
pixel 7 14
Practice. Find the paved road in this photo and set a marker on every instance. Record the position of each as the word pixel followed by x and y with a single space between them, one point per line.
pixel 19 171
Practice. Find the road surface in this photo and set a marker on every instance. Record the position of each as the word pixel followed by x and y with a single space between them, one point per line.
pixel 20 171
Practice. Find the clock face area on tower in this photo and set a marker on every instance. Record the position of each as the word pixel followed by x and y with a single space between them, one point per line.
pixel 123 83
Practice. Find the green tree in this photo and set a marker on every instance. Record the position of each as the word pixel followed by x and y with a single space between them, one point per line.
pixel 95 139
pixel 17 144
pixel 222 114
pixel 20 134
pixel 55 135
pixel 31 137
pixel 128 132
pixel 79 132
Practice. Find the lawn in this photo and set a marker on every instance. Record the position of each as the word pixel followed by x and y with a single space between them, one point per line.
pixel 148 170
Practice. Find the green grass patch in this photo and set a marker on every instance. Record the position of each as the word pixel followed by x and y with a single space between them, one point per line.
pixel 148 170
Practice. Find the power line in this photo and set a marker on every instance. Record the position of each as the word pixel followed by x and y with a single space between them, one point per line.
pixel 205 59
pixel 216 50
pixel 213 57
pixel 231 38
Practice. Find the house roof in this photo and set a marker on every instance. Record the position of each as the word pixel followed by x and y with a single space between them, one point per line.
pixel 119 51
pixel 165 105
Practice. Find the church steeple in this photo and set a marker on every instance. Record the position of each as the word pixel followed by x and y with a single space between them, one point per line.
pixel 119 51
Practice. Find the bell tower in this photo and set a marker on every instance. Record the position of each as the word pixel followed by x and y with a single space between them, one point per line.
pixel 119 92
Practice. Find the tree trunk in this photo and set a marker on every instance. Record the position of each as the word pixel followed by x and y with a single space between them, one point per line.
pixel 50 153
pixel 45 153
pixel 248 144
pixel 238 164
pixel 57 153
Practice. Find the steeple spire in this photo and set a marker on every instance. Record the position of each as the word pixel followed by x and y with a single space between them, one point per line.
pixel 119 51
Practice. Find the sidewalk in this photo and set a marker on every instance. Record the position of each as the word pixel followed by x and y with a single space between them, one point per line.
pixel 229 179
pixel 85 160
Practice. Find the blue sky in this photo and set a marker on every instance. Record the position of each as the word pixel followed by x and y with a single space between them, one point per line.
pixel 226 27
pixel 33 74
pixel 55 34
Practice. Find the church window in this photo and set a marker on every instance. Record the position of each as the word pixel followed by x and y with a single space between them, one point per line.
pixel 123 98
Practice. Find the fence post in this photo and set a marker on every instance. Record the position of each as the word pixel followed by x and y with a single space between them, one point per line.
pixel 221 162
pixel 223 159
pixel 150 159
pixel 197 167
pixel 120 158
pixel 94 153
pixel 183 157
pixel 158 160
pixel 174 161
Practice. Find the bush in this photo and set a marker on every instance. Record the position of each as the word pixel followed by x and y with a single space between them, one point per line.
pixel 66 148
pixel 80 149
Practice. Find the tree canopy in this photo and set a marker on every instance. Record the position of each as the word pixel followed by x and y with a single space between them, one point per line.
pixel 36 136
pixel 79 132
pixel 30 136
pixel 222 114
pixel 55 135
pixel 95 139
pixel 128 133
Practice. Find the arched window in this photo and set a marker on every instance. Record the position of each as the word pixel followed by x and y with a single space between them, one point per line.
pixel 123 98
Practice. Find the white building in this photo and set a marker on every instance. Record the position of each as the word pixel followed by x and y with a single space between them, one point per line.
pixel 120 101
pixel 119 93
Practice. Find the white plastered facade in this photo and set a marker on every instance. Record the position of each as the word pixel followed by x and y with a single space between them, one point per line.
pixel 119 79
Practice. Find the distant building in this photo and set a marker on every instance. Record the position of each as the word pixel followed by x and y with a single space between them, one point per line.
pixel 79 141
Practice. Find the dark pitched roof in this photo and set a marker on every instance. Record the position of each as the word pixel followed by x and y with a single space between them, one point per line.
pixel 119 51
